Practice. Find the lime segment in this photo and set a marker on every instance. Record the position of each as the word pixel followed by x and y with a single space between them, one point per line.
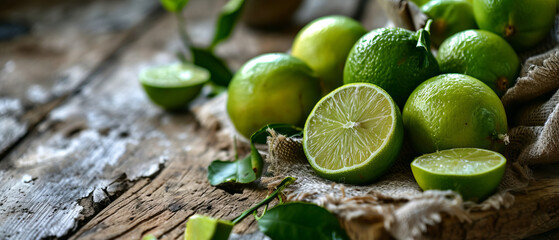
pixel 474 173
pixel 174 86
pixel 201 227
pixel 353 134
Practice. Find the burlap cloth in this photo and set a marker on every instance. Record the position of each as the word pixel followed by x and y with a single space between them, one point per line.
pixel 396 200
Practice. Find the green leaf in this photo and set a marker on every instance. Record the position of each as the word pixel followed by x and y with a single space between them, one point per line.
pixel 299 220
pixel 228 17
pixel 220 73
pixel 248 169
pixel 199 227
pixel 174 5
pixel 424 41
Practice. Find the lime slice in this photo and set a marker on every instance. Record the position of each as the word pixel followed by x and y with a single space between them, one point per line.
pixel 201 227
pixel 353 134
pixel 174 86
pixel 474 173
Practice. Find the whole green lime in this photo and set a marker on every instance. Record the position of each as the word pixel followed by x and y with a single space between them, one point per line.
pixel 324 45
pixel 523 23
pixel 271 88
pixel 454 111
pixel 449 17
pixel 391 59
pixel 173 86
pixel 482 55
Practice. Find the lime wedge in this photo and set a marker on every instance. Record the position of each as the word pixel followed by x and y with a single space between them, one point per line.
pixel 201 227
pixel 173 86
pixel 474 173
pixel 353 134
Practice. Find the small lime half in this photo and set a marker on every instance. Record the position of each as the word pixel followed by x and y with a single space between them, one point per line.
pixel 353 134
pixel 473 172
pixel 173 86
pixel 201 227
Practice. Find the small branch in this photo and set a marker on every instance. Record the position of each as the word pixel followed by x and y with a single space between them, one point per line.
pixel 284 183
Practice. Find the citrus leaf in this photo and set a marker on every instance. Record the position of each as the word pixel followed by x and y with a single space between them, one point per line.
pixel 228 17
pixel 299 220
pixel 220 73
pixel 424 41
pixel 174 5
pixel 248 169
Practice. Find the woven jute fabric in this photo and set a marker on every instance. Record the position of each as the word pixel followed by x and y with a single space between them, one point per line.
pixel 396 200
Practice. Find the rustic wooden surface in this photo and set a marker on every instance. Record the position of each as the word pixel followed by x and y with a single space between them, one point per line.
pixel 85 155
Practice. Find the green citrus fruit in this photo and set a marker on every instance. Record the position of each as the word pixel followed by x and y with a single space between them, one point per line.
pixel 271 88
pixel 173 86
pixel 449 17
pixel 454 111
pixel 200 227
pixel 482 55
pixel 474 173
pixel 391 59
pixel 523 23
pixel 353 134
pixel 324 45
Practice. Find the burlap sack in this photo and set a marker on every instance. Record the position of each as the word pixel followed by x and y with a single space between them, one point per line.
pixel 396 200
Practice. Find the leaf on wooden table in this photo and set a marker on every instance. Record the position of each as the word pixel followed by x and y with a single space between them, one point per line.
pixel 299 220
pixel 219 72
pixel 248 169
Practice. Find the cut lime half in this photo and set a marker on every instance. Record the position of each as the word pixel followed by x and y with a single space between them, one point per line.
pixel 201 227
pixel 353 134
pixel 474 173
pixel 173 86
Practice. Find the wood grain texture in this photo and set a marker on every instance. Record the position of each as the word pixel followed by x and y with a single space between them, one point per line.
pixel 65 42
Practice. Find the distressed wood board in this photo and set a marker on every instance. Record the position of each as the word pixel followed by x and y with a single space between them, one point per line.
pixel 101 162
pixel 60 45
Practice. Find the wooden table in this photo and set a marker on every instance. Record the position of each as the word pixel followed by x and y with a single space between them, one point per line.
pixel 84 154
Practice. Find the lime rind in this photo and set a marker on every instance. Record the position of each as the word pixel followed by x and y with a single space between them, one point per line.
pixel 378 158
pixel 473 184
pixel 174 75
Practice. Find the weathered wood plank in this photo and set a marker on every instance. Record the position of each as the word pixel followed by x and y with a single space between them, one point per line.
pixel 87 151
pixel 66 41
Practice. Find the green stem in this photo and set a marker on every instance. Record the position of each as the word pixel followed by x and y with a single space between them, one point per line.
pixel 284 183
pixel 182 30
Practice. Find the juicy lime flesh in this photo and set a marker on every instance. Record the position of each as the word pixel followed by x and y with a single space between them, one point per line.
pixel 353 134
pixel 175 75
pixel 473 173
pixel 345 131
pixel 460 161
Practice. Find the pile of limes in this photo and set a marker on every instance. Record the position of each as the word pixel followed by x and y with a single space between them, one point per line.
pixel 358 94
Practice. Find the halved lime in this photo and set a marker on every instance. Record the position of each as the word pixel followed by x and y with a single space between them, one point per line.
pixel 201 227
pixel 353 134
pixel 174 86
pixel 473 172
